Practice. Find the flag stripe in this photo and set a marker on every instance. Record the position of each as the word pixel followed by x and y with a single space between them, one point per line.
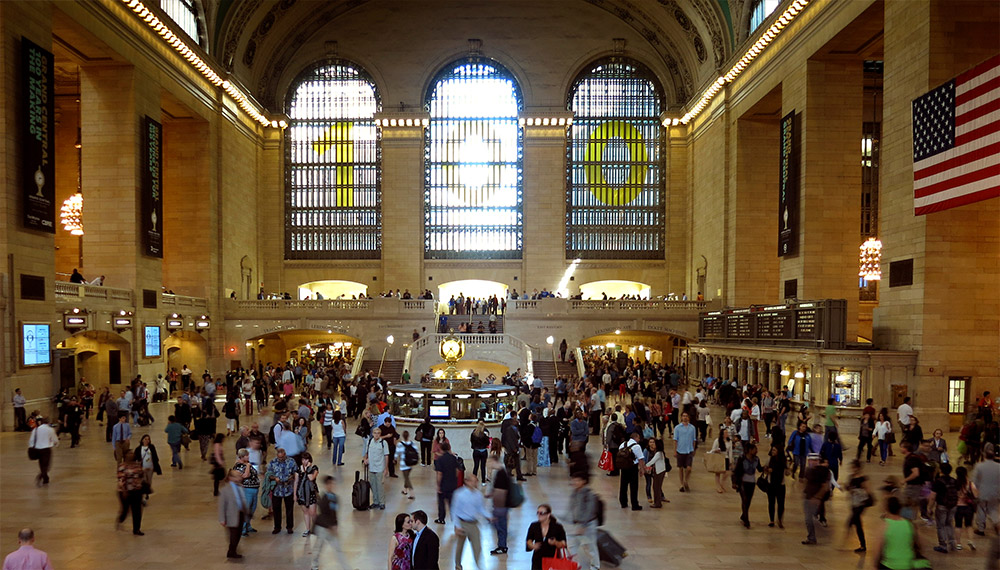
pixel 947 155
pixel 981 72
pixel 986 171
pixel 978 101
pixel 977 133
pixel 977 112
pixel 964 96
pixel 959 158
pixel 961 200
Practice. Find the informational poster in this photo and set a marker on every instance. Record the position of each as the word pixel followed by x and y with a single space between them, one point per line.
pixel 35 344
pixel 152 188
pixel 151 334
pixel 788 187
pixel 37 145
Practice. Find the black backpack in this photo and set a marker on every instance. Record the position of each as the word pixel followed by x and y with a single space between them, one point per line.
pixel 950 498
pixel 410 455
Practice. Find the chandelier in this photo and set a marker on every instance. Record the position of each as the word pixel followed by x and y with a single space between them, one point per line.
pixel 71 214
pixel 871 256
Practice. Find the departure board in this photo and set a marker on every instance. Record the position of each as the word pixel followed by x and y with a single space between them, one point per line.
pixel 821 324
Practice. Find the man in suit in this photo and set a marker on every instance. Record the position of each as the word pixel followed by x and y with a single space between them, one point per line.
pixel 233 510
pixel 426 544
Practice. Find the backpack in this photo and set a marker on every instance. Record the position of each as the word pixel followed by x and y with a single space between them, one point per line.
pixel 410 455
pixel 515 496
pixel 536 436
pixel 625 457
pixel 270 434
pixel 950 498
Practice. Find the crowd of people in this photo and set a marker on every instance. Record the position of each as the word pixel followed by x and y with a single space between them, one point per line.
pixel 637 413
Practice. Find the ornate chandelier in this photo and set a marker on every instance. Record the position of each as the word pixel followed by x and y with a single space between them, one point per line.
pixel 871 256
pixel 71 214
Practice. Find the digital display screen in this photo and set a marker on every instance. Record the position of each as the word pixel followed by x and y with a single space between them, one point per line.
pixel 439 410
pixel 152 344
pixel 35 345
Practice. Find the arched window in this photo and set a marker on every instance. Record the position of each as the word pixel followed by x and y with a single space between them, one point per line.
pixel 615 187
pixel 472 158
pixel 184 13
pixel 760 11
pixel 333 196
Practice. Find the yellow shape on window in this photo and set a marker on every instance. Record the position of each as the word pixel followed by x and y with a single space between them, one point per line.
pixel 597 142
pixel 339 138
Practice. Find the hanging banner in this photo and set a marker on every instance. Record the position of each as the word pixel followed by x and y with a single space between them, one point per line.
pixel 152 188
pixel 788 187
pixel 38 173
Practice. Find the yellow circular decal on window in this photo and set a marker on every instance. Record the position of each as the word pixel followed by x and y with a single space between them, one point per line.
pixel 614 194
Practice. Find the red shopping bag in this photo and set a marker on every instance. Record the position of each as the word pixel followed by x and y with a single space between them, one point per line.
pixel 562 561
pixel 607 462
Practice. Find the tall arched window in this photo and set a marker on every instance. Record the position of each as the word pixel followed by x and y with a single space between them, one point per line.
pixel 184 13
pixel 615 186
pixel 759 12
pixel 472 187
pixel 333 196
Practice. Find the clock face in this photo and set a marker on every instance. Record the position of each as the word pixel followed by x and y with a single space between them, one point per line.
pixel 39 177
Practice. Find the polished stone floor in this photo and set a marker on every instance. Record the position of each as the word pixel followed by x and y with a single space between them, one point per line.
pixel 73 517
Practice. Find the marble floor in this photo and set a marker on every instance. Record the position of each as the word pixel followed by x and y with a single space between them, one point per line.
pixel 73 517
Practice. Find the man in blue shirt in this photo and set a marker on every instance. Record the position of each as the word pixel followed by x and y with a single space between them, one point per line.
pixel 686 436
pixel 121 436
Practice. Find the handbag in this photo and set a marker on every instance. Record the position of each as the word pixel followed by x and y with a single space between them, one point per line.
pixel 762 483
pixel 32 450
pixel 890 437
pixel 606 463
pixel 561 561
pixel 185 440
pixel 715 463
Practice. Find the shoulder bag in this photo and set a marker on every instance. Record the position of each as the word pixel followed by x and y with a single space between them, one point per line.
pixel 32 450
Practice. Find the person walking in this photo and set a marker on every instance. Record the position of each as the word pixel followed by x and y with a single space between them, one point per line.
pixel 986 481
pixel 43 439
pixel 814 493
pixel 376 458
pixel 325 528
pixel 882 434
pixel 234 510
pixel 425 435
pixel 121 437
pixel 479 439
pixel 510 438
pixel 27 556
pixel 686 437
pixel 111 410
pixel 545 537
pixel 408 456
pixel 284 474
pixel 130 491
pixel 861 498
pixel 250 481
pixel 745 479
pixel 775 471
pixel 466 509
pixel 630 461
pixel 446 467
pixel 338 433
pixel 900 541
pixel 307 491
pixel 584 512
pixel 145 454
pixel 656 471
pixel 499 496
pixel 175 434
pixel 944 499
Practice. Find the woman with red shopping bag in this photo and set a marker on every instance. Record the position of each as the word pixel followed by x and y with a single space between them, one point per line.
pixel 545 537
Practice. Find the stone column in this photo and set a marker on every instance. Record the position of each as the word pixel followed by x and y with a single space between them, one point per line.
pixel 544 252
pixel 403 207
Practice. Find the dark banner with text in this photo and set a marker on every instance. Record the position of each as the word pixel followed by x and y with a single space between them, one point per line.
pixel 38 173
pixel 152 188
pixel 788 187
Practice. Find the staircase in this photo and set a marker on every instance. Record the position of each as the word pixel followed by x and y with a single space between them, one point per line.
pixel 546 370
pixel 392 370
pixel 455 320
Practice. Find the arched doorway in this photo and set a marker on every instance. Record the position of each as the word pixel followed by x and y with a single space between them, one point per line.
pixel 281 346
pixel 475 288
pixel 332 289
pixel 186 348
pixel 614 289
pixel 103 358
pixel 638 346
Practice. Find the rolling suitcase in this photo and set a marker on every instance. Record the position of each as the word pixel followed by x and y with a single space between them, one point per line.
pixel 609 548
pixel 362 492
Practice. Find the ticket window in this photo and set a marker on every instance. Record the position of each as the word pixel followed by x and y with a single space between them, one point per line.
pixel 845 388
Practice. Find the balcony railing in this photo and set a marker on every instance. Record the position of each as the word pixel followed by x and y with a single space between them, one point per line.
pixel 169 300
pixel 354 308
pixel 72 291
pixel 604 308
pixel 336 304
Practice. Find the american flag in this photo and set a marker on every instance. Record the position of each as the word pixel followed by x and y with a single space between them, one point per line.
pixel 956 141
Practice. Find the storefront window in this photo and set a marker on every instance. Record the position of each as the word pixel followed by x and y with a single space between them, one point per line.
pixel 845 388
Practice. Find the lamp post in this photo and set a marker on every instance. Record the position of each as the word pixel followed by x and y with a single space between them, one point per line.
pixel 389 340
pixel 551 340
